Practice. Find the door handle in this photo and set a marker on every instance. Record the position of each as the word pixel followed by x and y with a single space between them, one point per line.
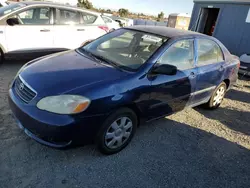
pixel 192 75
pixel 80 29
pixel 44 30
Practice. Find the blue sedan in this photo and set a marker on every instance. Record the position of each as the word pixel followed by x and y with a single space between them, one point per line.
pixel 102 91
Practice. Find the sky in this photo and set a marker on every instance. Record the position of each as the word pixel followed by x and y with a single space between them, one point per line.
pixel 152 7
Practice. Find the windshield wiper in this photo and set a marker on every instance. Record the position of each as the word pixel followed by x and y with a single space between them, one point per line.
pixel 90 54
pixel 102 59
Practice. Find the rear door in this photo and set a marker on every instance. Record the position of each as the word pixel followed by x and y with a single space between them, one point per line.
pixel 34 31
pixel 171 93
pixel 210 64
pixel 73 27
pixel 67 29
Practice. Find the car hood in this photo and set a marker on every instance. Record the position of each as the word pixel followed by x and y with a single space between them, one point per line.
pixel 66 71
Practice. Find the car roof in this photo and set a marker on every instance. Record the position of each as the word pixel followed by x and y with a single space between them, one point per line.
pixel 165 31
pixel 56 4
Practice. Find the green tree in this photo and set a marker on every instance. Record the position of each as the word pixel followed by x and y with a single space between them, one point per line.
pixel 123 12
pixel 108 10
pixel 160 16
pixel 85 4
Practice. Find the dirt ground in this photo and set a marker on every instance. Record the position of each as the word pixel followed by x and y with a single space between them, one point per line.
pixel 193 148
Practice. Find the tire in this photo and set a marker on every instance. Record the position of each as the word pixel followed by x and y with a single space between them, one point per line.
pixel 217 97
pixel 1 56
pixel 117 131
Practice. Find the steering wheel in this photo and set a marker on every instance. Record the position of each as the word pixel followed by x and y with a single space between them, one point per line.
pixel 138 50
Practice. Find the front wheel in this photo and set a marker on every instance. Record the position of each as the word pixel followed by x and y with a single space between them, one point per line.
pixel 217 96
pixel 117 131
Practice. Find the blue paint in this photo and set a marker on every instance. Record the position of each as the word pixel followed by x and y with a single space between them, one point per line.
pixel 109 88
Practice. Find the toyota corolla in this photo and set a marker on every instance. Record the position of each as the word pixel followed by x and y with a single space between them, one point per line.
pixel 102 91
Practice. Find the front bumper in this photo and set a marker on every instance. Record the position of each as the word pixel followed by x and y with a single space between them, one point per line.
pixel 51 129
pixel 244 68
pixel 244 72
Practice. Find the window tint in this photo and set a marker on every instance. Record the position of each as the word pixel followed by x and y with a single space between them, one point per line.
pixel 88 18
pixel 126 48
pixel 36 16
pixel 180 54
pixel 67 17
pixel 208 52
pixel 106 20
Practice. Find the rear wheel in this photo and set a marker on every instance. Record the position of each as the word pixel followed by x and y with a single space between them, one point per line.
pixel 117 131
pixel 217 96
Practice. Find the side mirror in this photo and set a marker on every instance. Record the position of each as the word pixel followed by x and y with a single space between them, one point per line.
pixel 12 21
pixel 165 69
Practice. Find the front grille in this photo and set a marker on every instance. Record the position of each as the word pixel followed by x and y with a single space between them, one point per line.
pixel 23 91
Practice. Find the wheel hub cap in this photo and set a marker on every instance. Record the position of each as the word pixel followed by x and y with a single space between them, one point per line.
pixel 118 132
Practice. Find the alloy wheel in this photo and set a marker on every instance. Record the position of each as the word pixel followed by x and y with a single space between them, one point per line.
pixel 219 96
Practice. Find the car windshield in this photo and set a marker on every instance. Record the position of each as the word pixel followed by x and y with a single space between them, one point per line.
pixel 124 48
pixel 10 8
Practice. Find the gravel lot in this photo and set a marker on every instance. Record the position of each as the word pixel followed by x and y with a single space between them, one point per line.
pixel 193 148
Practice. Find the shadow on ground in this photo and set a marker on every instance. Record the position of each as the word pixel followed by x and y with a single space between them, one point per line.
pixel 164 153
pixel 232 118
pixel 237 95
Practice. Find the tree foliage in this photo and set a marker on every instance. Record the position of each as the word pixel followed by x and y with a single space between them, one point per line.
pixel 85 4
pixel 123 12
pixel 160 16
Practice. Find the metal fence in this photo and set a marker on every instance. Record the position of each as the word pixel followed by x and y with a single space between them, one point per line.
pixel 149 22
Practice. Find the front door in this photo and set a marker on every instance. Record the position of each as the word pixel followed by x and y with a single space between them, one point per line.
pixel 33 32
pixel 210 64
pixel 172 93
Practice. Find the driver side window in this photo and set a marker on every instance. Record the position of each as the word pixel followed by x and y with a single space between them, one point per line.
pixel 36 16
pixel 179 54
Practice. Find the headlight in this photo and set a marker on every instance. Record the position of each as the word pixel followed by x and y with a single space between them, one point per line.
pixel 64 104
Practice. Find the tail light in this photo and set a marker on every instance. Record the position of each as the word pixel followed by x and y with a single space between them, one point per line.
pixel 105 28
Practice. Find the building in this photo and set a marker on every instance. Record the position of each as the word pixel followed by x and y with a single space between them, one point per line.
pixel 227 20
pixel 179 21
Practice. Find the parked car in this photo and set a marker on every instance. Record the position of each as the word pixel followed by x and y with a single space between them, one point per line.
pixel 3 3
pixel 245 65
pixel 112 24
pixel 103 90
pixel 40 27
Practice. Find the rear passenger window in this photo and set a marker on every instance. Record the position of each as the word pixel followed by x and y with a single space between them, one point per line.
pixel 88 18
pixel 67 17
pixel 180 54
pixel 106 20
pixel 208 52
